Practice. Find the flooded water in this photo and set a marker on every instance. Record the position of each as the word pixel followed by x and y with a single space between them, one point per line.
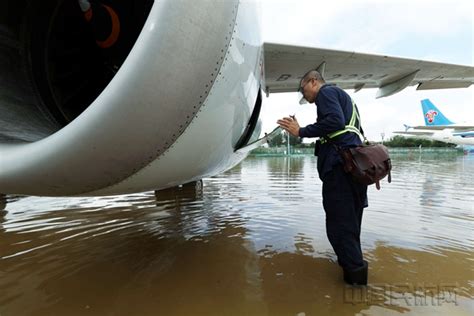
pixel 251 242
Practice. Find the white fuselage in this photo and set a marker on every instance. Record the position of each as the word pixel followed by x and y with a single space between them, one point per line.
pixel 446 135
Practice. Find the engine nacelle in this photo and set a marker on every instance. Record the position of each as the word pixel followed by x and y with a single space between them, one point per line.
pixel 80 120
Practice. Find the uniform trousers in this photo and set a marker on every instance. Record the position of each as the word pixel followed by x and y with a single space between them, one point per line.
pixel 344 200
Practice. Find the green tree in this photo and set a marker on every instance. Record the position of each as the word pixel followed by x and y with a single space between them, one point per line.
pixel 276 141
pixel 281 139
pixel 400 141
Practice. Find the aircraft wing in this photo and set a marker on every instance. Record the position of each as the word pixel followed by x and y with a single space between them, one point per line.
pixel 415 133
pixel 456 128
pixel 285 64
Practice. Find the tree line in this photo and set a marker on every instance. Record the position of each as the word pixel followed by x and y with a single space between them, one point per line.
pixel 396 141
pixel 400 141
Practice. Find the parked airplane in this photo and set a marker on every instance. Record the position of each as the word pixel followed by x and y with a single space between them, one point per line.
pixel 102 97
pixel 439 127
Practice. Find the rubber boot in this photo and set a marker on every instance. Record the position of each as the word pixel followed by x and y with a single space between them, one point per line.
pixel 357 276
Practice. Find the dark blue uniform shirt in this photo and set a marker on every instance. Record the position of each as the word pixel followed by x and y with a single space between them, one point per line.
pixel 334 111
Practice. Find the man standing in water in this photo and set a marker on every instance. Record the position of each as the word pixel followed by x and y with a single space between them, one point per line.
pixel 344 199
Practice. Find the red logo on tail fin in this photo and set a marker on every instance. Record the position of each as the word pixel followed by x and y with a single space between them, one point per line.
pixel 430 115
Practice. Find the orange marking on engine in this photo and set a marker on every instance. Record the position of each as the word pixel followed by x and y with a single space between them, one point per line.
pixel 88 15
pixel 114 34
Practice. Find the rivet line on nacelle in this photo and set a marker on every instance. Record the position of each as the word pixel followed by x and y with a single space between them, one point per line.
pixel 182 131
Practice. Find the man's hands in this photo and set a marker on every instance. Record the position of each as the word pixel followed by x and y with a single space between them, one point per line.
pixel 290 124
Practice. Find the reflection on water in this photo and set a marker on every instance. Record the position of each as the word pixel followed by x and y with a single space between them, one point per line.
pixel 250 242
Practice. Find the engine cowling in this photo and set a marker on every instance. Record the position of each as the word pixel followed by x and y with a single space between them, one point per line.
pixel 56 141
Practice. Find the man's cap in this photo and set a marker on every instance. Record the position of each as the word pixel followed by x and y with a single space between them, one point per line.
pixel 301 98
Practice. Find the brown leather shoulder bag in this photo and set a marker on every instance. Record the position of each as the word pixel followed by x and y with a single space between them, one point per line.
pixel 367 163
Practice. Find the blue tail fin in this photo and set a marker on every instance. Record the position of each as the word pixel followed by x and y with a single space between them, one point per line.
pixel 432 115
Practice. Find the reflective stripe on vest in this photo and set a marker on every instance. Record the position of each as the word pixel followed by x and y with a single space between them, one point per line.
pixel 354 126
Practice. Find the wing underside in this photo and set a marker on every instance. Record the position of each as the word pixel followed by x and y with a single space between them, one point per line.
pixel 285 64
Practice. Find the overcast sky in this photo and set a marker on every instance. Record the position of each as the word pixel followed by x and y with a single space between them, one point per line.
pixel 435 30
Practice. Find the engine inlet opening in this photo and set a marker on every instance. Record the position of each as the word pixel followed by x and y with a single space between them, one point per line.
pixel 75 48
